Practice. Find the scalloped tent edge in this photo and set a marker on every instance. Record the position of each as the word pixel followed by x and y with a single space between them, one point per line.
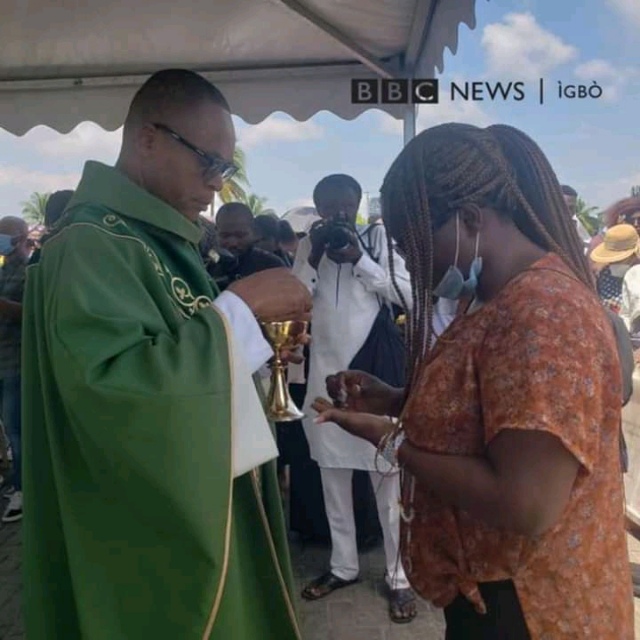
pixel 271 55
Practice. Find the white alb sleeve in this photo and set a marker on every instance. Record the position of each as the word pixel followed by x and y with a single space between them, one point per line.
pixel 247 335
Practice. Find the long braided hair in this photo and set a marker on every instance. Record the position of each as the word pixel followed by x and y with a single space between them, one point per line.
pixel 449 166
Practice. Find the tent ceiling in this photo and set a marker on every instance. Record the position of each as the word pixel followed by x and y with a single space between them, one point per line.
pixel 83 59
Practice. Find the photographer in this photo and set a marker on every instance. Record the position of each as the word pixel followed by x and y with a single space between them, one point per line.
pixel 346 268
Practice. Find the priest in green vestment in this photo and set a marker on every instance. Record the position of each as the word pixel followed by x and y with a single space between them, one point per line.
pixel 139 405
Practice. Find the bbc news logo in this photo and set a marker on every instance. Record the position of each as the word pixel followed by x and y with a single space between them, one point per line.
pixel 427 90
pixel 403 91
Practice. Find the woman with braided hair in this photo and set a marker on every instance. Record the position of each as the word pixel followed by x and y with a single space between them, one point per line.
pixel 507 435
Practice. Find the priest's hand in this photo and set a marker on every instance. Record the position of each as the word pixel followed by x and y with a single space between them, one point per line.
pixel 362 425
pixel 296 355
pixel 274 295
pixel 362 392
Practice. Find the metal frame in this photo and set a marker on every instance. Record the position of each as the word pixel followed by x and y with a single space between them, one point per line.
pixel 358 52
pixel 420 29
pixel 409 123
pixel 238 74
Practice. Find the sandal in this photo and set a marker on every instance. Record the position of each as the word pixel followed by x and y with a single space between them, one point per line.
pixel 324 585
pixel 402 605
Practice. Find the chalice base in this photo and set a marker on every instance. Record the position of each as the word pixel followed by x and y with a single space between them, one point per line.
pixel 289 413
pixel 280 405
pixel 282 336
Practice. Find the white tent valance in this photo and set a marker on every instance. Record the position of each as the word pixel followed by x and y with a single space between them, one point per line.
pixel 75 60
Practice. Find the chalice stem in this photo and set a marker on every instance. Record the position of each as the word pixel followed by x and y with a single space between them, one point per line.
pixel 279 391
pixel 281 335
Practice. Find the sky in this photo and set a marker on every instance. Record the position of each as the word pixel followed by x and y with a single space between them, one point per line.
pixel 591 143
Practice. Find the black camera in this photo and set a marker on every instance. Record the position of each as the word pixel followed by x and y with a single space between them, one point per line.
pixel 222 266
pixel 338 235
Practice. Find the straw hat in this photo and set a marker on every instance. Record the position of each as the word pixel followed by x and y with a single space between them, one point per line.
pixel 620 242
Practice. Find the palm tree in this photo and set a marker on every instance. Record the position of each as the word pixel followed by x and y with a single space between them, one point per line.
pixel 591 217
pixel 257 205
pixel 34 208
pixel 234 189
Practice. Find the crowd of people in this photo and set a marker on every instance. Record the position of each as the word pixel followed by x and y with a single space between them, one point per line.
pixel 480 439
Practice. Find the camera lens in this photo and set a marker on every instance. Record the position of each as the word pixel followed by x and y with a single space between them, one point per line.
pixel 338 237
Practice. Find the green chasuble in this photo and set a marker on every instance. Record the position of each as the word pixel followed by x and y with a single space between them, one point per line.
pixel 133 526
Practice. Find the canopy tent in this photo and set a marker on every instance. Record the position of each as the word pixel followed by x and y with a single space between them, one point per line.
pixel 301 218
pixel 79 60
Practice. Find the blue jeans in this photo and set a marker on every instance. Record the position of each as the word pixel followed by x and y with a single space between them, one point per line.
pixel 10 391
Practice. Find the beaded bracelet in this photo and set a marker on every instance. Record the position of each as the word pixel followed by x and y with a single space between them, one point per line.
pixel 391 447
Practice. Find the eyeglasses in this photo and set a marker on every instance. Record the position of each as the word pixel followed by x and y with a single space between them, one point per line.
pixel 212 165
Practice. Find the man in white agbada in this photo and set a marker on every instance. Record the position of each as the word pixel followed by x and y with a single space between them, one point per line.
pixel 571 199
pixel 347 285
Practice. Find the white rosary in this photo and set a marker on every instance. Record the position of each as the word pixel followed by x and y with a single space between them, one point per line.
pixel 387 449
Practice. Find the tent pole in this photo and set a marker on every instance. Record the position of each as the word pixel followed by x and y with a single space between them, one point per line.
pixel 409 123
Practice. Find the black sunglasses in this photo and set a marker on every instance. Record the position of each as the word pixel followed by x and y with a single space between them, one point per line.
pixel 212 166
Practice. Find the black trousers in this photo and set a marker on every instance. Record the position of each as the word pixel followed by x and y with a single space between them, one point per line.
pixel 504 619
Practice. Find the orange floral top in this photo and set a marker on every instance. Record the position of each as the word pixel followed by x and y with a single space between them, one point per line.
pixel 541 356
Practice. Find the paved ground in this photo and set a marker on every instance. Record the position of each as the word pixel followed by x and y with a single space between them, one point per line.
pixel 358 612
pixel 355 613
pixel 10 581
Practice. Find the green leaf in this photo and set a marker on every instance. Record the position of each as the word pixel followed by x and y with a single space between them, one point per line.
pixel 34 208
pixel 589 216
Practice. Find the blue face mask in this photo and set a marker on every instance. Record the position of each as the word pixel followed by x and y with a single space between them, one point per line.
pixel 453 286
pixel 6 244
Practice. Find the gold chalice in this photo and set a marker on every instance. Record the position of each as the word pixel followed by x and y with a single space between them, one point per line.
pixel 282 336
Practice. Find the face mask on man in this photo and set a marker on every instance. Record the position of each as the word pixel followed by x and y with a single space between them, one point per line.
pixel 7 245
pixel 453 285
pixel 619 270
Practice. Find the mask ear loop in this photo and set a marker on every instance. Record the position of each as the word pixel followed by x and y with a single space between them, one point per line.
pixel 477 245
pixel 455 264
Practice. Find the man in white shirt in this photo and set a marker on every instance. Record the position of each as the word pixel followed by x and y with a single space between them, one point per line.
pixel 630 310
pixel 348 286
pixel 571 199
